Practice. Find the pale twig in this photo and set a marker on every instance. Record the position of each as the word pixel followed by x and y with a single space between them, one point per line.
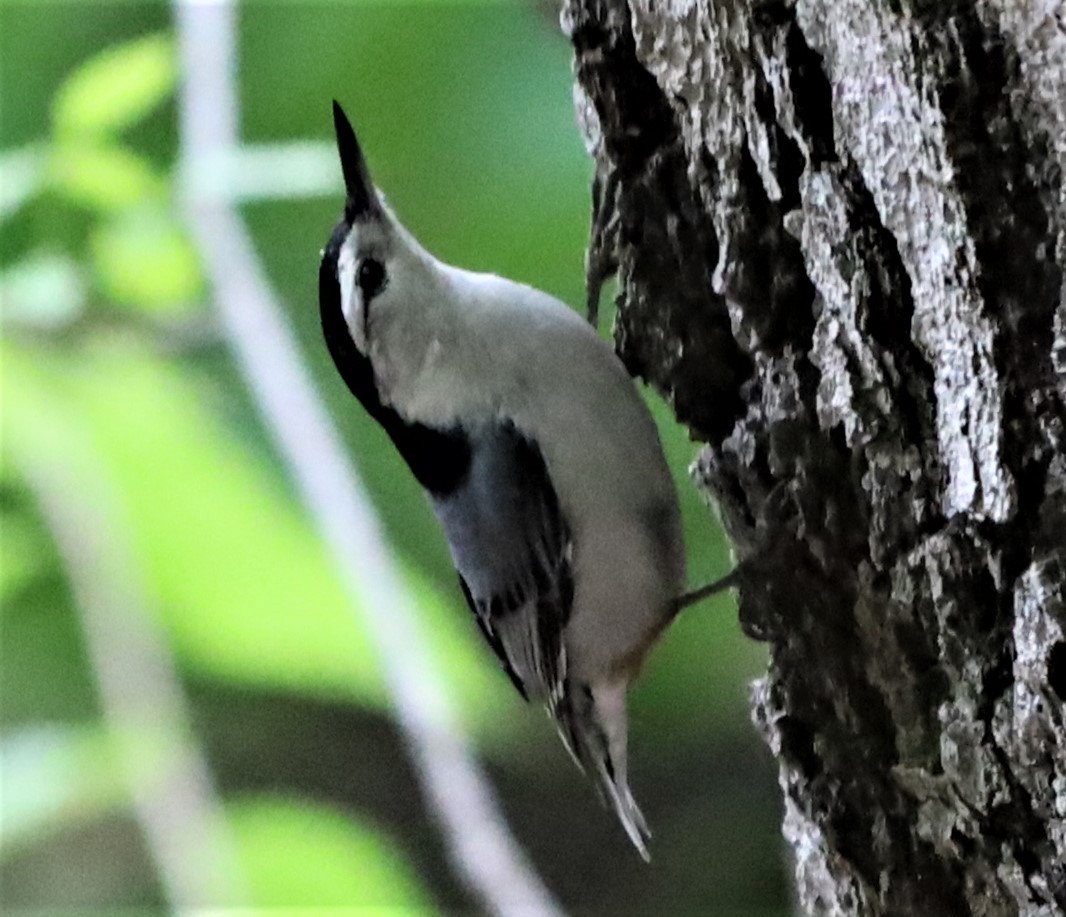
pixel 268 172
pixel 144 706
pixel 483 851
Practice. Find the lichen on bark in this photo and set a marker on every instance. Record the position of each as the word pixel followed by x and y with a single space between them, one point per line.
pixel 840 230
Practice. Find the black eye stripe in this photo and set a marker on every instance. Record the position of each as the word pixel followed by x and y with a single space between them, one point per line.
pixel 371 278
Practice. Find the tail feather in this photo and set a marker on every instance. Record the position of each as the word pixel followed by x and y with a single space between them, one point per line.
pixel 592 723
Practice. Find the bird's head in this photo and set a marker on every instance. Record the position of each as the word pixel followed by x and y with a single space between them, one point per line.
pixel 403 328
pixel 371 268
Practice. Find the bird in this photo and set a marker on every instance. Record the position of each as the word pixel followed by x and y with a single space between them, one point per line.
pixel 540 459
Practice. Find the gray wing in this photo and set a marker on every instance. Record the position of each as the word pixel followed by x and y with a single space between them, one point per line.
pixel 512 549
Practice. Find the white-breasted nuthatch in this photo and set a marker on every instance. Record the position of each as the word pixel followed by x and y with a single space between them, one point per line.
pixel 540 459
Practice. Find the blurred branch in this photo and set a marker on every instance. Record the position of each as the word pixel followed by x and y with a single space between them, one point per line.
pixel 482 849
pixel 249 172
pixel 142 698
pixel 266 171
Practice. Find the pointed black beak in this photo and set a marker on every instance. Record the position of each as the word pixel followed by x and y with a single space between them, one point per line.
pixel 362 198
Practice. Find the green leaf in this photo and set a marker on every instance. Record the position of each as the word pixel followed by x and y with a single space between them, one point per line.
pixel 245 589
pixel 116 88
pixel 143 258
pixel 105 178
pixel 21 555
pixel 307 856
pixel 44 674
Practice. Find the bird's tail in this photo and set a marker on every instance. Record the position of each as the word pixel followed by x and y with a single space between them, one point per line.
pixel 592 722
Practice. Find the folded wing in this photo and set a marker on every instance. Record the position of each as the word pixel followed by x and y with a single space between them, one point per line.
pixel 512 549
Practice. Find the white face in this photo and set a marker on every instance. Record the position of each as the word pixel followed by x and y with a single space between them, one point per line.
pixel 394 308
pixel 364 274
pixel 351 297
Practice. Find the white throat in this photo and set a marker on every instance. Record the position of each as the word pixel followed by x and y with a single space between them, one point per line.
pixel 351 297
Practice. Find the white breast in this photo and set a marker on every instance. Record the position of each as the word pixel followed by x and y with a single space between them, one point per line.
pixel 492 348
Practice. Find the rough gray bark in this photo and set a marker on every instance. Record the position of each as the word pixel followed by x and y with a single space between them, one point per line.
pixel 840 228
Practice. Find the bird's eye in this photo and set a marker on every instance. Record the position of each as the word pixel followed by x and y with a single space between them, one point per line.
pixel 371 278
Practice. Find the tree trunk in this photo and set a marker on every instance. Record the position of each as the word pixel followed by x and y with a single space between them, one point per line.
pixel 840 228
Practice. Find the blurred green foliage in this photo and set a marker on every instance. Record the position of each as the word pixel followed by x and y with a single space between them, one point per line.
pixel 308 856
pixel 109 350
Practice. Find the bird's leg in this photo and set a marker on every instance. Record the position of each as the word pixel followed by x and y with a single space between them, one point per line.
pixel 600 260
pixel 775 508
pixel 728 581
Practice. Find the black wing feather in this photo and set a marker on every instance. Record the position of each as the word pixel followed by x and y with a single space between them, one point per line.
pixel 492 640
pixel 512 548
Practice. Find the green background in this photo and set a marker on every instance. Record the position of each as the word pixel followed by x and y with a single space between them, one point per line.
pixel 120 395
